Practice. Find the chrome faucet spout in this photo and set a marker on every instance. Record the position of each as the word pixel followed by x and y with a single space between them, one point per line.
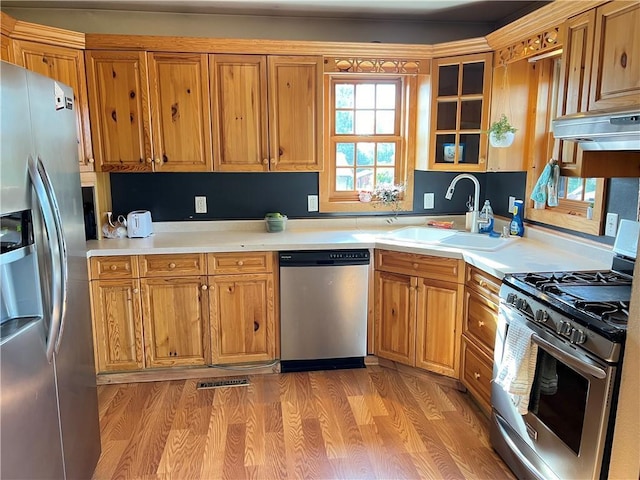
pixel 476 196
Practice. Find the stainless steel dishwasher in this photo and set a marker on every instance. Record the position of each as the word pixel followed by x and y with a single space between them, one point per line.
pixel 323 309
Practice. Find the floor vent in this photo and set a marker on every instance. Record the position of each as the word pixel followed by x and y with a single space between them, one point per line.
pixel 227 382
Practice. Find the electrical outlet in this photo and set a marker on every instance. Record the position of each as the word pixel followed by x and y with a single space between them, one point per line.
pixel 512 201
pixel 201 204
pixel 428 201
pixel 611 227
pixel 312 203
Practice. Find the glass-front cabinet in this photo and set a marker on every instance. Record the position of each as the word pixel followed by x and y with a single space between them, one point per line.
pixel 460 112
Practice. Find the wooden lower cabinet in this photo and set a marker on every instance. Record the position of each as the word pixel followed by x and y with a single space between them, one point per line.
pixel 478 334
pixel 117 325
pixel 176 327
pixel 418 319
pixel 242 312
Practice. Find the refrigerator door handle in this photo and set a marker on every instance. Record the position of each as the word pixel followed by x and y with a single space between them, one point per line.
pixel 57 249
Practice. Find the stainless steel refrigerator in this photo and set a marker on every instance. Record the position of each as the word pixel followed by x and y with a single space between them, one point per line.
pixel 48 409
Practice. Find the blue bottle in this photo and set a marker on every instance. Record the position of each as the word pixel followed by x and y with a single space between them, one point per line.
pixel 517 224
pixel 486 215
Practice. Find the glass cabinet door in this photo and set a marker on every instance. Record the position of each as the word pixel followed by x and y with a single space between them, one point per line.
pixel 460 112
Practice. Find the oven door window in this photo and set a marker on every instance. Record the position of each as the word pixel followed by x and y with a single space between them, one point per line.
pixel 559 398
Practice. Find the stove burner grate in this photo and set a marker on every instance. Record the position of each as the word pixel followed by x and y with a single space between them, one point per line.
pixel 616 313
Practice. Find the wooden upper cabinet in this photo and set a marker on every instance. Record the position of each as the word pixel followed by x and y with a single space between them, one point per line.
pixel 267 112
pixel 119 107
pixel 65 65
pixel 180 114
pixel 460 112
pixel 6 49
pixel 295 113
pixel 615 75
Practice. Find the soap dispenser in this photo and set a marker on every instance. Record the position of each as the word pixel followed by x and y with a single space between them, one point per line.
pixel 486 216
pixel 517 225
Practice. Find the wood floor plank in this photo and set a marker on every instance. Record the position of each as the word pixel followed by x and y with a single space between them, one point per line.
pixel 373 423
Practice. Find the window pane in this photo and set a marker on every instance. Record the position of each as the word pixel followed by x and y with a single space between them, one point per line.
pixel 364 179
pixel 472 78
pixel 344 95
pixel 385 121
pixel 447 113
pixel 345 153
pixel 386 154
pixel 448 81
pixel 562 187
pixel 470 114
pixel 365 95
pixel 365 153
pixel 384 175
pixel 344 121
pixel 386 96
pixel 364 122
pixel 574 188
pixel 589 189
pixel 344 179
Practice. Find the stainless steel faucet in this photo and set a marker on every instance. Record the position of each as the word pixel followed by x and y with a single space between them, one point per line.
pixel 475 221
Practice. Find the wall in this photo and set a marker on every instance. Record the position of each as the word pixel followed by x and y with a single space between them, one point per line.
pixel 247 26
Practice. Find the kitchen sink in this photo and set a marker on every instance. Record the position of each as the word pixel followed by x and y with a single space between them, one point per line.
pixel 475 241
pixel 420 234
pixel 449 238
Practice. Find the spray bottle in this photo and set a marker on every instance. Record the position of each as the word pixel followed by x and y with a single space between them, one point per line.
pixel 517 225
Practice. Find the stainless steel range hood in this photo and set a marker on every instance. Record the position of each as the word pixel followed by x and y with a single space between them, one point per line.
pixel 602 130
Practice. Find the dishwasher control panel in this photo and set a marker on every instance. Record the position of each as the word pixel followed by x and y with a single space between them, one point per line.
pixel 303 258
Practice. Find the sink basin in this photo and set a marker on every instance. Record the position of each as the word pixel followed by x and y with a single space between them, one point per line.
pixel 420 234
pixel 474 241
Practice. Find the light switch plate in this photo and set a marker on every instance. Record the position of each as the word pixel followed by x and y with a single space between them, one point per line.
pixel 428 201
pixel 201 204
pixel 312 203
pixel 512 201
pixel 611 227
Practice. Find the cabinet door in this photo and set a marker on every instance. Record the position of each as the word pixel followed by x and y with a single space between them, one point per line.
pixel 439 315
pixel 460 112
pixel 119 108
pixel 242 318
pixel 395 317
pixel 6 49
pixel 239 104
pixel 295 113
pixel 176 327
pixel 615 76
pixel 575 74
pixel 117 325
pixel 65 65
pixel 180 112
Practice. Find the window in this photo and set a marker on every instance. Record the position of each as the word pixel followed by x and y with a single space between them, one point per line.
pixel 366 118
pixel 575 194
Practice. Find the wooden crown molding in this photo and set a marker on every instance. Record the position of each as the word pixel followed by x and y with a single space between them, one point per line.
pixel 543 19
pixel 535 45
pixel 34 32
pixel 461 47
pixel 376 65
pixel 257 46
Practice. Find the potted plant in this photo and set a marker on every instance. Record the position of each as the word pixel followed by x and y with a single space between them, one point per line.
pixel 388 195
pixel 501 133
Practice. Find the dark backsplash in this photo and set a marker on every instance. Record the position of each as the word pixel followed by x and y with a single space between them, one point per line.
pixel 247 196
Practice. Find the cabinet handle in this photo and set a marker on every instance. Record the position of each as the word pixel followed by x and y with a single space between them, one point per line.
pixel 482 283
pixel 265 161
pixel 481 160
pixel 149 161
pixel 90 160
pixel 240 263
pixel 113 267
pixel 476 375
pixel 172 265
pixel 135 290
pixel 415 265
pixel 158 160
pixel 480 323
pixel 204 287
pixel 274 161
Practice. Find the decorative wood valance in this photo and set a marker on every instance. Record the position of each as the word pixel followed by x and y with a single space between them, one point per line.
pixel 530 46
pixel 376 65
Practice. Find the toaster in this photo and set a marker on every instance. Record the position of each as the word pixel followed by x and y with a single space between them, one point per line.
pixel 139 224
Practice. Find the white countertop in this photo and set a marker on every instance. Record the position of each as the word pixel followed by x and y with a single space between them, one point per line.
pixel 540 250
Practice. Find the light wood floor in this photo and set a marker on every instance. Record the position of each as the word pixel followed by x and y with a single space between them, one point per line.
pixel 358 424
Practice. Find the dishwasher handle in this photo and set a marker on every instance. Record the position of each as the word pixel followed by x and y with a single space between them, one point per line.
pixel 324 258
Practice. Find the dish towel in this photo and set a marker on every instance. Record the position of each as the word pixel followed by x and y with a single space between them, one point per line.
pixel 539 192
pixel 518 366
pixel 552 186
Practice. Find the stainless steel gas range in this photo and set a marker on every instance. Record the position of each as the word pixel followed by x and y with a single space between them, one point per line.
pixel 574 325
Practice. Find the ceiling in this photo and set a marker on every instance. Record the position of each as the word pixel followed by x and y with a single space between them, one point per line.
pixel 497 13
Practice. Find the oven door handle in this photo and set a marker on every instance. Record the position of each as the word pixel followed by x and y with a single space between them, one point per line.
pixel 579 364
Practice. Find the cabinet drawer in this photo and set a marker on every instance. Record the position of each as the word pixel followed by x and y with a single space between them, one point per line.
pixel 481 282
pixel 480 319
pixel 250 262
pixel 172 265
pixel 477 369
pixel 438 268
pixel 121 266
